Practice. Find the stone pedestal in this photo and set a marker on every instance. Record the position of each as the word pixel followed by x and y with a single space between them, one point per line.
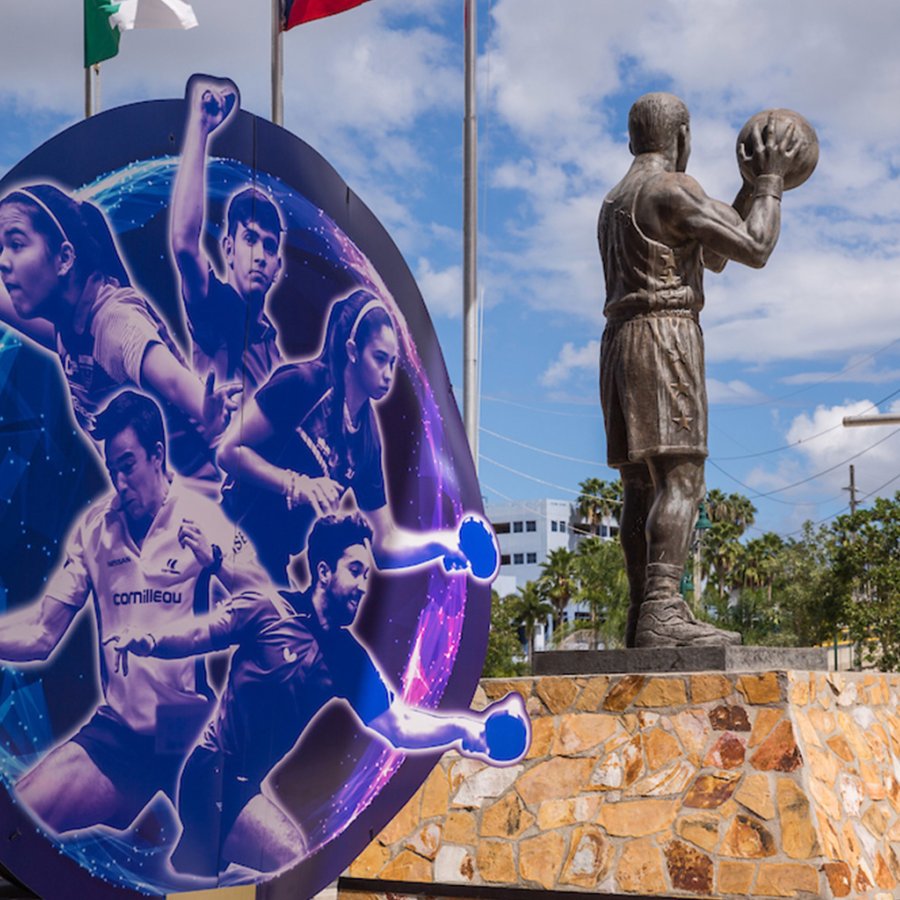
pixel 781 783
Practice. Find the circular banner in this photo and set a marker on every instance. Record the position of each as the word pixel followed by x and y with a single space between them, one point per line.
pixel 245 580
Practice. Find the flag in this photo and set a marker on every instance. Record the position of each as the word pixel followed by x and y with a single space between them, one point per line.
pixel 296 12
pixel 105 20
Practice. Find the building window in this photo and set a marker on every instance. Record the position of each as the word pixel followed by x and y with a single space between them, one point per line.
pixel 562 527
pixel 518 559
pixel 531 558
pixel 501 527
pixel 613 531
pixel 504 559
pixel 531 525
pixel 554 526
pixel 517 527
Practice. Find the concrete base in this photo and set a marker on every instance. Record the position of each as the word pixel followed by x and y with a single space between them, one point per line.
pixel 680 659
pixel 714 785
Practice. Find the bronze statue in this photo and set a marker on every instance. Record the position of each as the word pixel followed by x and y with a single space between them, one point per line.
pixel 657 231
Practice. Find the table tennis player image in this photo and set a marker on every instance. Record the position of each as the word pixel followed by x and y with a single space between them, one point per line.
pixel 148 552
pixel 225 310
pixel 310 439
pixel 67 288
pixel 295 654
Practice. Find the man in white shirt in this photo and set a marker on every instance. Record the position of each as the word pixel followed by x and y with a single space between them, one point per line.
pixel 146 553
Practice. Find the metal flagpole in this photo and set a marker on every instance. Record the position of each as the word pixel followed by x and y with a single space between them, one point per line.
pixel 277 65
pixel 91 90
pixel 470 232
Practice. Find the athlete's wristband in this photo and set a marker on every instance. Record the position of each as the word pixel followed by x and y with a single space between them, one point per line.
pixel 768 186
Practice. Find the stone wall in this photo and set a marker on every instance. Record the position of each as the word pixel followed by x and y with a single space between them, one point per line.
pixel 773 784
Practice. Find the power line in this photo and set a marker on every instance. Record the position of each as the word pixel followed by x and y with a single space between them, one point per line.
pixel 830 469
pixel 552 484
pixel 808 387
pixel 812 437
pixel 753 491
pixel 509 440
pixel 550 412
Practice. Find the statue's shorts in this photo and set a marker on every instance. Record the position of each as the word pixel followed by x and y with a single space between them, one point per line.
pixel 653 387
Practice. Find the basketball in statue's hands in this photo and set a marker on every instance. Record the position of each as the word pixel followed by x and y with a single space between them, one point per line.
pixel 805 156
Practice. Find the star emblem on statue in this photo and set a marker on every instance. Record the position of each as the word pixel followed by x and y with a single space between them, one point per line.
pixel 683 421
pixel 679 387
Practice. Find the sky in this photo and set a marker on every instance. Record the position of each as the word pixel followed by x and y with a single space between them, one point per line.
pixel 791 348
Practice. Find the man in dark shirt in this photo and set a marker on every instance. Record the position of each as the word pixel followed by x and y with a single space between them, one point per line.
pixel 295 654
pixel 230 331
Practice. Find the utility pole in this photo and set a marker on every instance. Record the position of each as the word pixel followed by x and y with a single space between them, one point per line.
pixel 853 505
pixel 878 419
pixel 470 232
pixel 852 488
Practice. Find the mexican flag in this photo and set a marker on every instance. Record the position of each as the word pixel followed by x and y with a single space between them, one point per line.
pixel 296 12
pixel 105 20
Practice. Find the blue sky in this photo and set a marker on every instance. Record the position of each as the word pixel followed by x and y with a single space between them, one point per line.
pixel 378 91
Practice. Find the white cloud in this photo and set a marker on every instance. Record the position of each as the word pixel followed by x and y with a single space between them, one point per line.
pixel 734 392
pixel 819 464
pixel 571 359
pixel 442 289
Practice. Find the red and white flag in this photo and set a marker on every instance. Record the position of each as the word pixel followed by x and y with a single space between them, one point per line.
pixel 296 12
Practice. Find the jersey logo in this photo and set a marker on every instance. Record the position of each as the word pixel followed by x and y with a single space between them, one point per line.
pixel 171 566
pixel 115 562
pixel 289 655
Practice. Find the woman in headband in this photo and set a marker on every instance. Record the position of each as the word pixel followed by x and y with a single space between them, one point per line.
pixel 310 435
pixel 65 286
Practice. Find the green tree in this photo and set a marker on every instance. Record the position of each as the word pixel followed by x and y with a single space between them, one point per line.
pixel 597 500
pixel 808 609
pixel 503 650
pixel 556 583
pixel 602 586
pixel 731 515
pixel 782 595
pixel 529 610
pixel 866 580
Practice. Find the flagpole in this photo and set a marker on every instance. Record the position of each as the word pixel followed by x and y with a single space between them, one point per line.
pixel 91 90
pixel 470 233
pixel 277 65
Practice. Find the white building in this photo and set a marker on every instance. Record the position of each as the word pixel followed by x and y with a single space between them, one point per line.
pixel 527 531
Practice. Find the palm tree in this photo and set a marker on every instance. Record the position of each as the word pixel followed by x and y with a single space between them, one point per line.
pixel 557 583
pixel 598 500
pixel 721 553
pixel 530 608
pixel 588 505
pixel 731 515
pixel 734 509
pixel 603 588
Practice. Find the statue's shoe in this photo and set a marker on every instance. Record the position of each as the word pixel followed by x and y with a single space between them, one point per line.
pixel 668 622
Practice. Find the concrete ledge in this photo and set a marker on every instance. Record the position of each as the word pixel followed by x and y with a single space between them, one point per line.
pixel 680 659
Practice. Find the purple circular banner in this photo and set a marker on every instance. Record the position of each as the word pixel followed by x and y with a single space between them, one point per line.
pixel 286 597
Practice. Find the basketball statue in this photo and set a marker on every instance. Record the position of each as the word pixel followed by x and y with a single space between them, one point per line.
pixel 658 230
